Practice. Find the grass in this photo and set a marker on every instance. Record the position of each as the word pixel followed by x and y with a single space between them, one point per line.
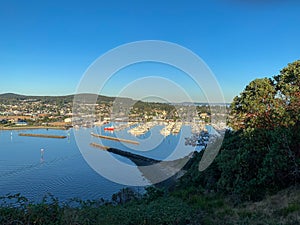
pixel 180 207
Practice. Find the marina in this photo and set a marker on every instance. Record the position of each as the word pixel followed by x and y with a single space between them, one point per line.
pixel 197 127
pixel 171 128
pixel 177 128
pixel 166 131
pixel 124 126
pixel 142 128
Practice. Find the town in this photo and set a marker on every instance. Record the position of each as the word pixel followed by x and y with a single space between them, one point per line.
pixel 18 111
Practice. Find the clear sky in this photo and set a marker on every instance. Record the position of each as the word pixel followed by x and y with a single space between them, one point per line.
pixel 46 46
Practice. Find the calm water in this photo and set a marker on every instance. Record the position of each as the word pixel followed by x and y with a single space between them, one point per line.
pixel 62 171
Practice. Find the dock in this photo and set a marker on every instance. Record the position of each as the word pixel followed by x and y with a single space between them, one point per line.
pixel 124 126
pixel 142 129
pixel 42 135
pixel 171 128
pixel 177 127
pixel 166 131
pixel 197 127
pixel 115 139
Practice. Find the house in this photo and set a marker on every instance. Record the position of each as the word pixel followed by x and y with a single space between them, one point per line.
pixel 21 123
pixel 68 120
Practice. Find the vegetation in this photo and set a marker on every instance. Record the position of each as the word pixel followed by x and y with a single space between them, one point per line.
pixel 185 206
pixel 261 155
pixel 253 180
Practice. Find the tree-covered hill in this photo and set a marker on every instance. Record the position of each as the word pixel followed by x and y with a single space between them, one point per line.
pixel 13 98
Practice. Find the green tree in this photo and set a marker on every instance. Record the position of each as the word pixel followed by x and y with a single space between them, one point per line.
pixel 257 106
pixel 262 154
pixel 288 87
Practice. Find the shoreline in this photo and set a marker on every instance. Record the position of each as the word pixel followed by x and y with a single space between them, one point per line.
pixel 33 127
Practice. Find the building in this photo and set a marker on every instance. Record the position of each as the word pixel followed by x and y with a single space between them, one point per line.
pixel 68 120
pixel 21 123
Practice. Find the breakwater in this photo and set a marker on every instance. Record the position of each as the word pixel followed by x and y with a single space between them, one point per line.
pixel 115 139
pixel 42 135
pixel 166 172
pixel 129 155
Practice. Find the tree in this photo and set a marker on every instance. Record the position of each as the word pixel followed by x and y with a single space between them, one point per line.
pixel 256 106
pixel 288 87
pixel 262 154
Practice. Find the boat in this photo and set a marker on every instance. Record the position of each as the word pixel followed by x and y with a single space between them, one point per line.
pixel 109 128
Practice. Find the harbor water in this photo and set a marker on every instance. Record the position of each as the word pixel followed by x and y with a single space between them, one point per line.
pixel 34 166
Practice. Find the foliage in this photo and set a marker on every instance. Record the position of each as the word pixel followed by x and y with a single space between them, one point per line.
pixel 167 210
pixel 184 206
pixel 288 87
pixel 261 154
pixel 268 103
pixel 257 106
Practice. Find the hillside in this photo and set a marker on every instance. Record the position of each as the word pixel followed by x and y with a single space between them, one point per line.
pixel 11 97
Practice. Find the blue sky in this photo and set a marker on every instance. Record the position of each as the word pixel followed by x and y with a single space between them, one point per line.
pixel 46 46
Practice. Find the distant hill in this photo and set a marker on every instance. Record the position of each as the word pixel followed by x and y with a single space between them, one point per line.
pixel 203 104
pixel 13 98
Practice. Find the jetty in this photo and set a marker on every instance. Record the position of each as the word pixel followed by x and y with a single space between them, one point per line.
pixel 115 139
pixel 138 159
pixel 167 172
pixel 42 135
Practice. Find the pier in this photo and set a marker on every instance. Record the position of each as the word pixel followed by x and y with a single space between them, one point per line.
pixel 42 135
pixel 115 139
